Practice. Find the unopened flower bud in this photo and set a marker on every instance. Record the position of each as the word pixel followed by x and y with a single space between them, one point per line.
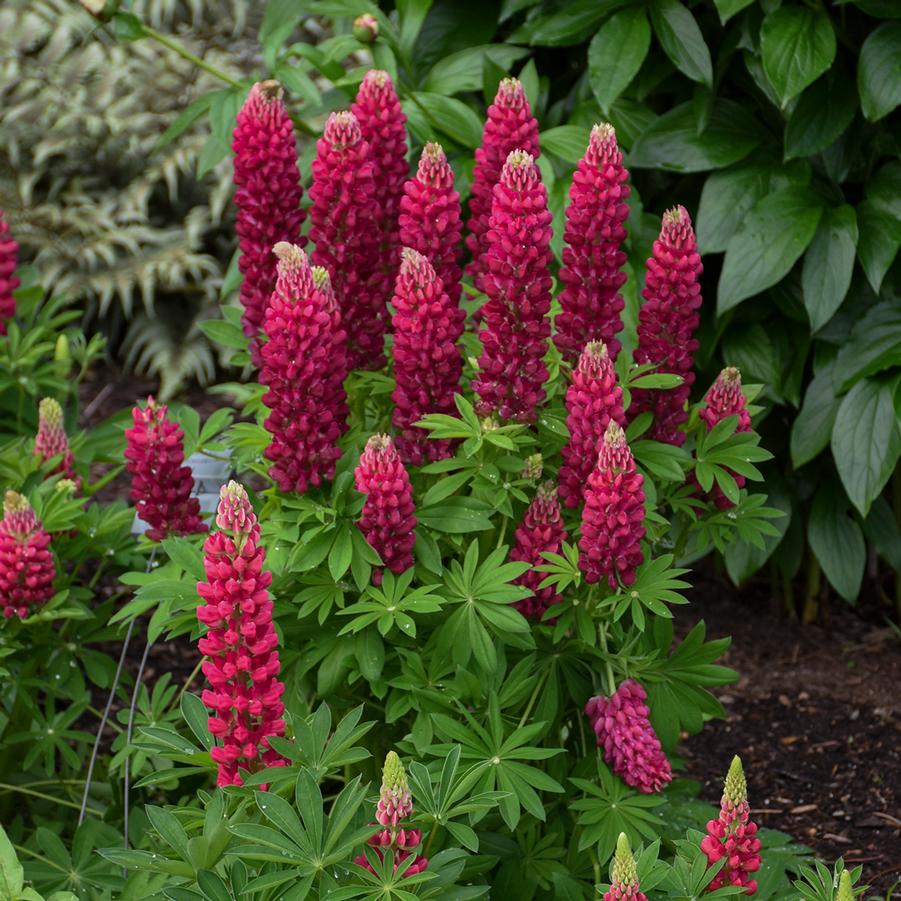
pixel 366 28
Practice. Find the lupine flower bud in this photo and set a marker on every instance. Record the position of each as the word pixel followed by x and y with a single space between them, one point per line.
pixel 388 520
pixel 845 888
pixel 161 485
pixel 541 530
pixel 51 439
pixel 9 253
pixel 590 302
pixel 724 399
pixel 304 364
pixel 366 28
pixel 624 874
pixel 517 281
pixel 395 804
pixel 628 739
pixel 613 518
pixel 430 217
pixel 27 569
pixel 534 468
pixel 427 361
pixel 383 126
pixel 510 126
pixel 593 401
pixel 344 227
pixel 667 322
pixel 733 835
pixel 240 646
pixel 267 197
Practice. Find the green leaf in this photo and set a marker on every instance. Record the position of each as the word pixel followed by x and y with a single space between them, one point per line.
pixel 127 27
pixel 822 114
pixel 812 427
pixel 874 345
pixel 837 541
pixel 457 515
pixel 452 117
pixel 879 71
pixel 797 46
pixel 184 120
pixel 616 53
pixel 566 141
pixel 879 242
pixel 463 71
pixel 12 875
pixel 197 717
pixel 767 245
pixel 681 39
pixel 828 264
pixel 726 199
pixel 569 25
pixel 866 441
pixel 672 141
pixel 728 8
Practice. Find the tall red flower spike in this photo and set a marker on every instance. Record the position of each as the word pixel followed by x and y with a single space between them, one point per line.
pixel 27 569
pixel 344 227
pixel 51 439
pixel 628 739
pixel 593 401
pixel 267 197
pixel 724 399
pixel 667 323
pixel 161 484
pixel 517 281
pixel 427 361
pixel 9 254
pixel 613 518
pixel 394 806
pixel 510 126
pixel 733 836
pixel 383 126
pixel 304 364
pixel 388 521
pixel 430 218
pixel 241 645
pixel 541 530
pixel 624 874
pixel 590 302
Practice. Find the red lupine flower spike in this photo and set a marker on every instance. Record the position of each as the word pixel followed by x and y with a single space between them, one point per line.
pixel 540 531
pixel 593 401
pixel 383 126
pixel 624 874
pixel 517 281
pixel 51 439
pixel 590 302
pixel 388 519
pixel 430 218
pixel 630 744
pixel 427 362
pixel 27 569
pixel 733 836
pixel 344 227
pixel 267 197
pixel 395 805
pixel 667 323
pixel 613 518
pixel 241 645
pixel 161 485
pixel 510 126
pixel 304 365
pixel 9 254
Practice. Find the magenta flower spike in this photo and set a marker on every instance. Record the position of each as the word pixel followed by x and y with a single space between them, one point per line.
pixel 430 219
pixel 733 836
pixel 27 569
pixel 388 521
pixel 9 255
pixel 344 227
pixel 593 401
pixel 427 361
pixel 613 518
pixel 591 276
pixel 51 439
pixel 540 531
pixel 630 744
pixel 161 484
pixel 267 197
pixel 304 365
pixel 517 280
pixel 240 646
pixel 667 323
pixel 624 874
pixel 510 126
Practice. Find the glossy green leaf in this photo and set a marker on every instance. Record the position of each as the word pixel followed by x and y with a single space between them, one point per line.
pixel 572 23
pixel 874 345
pixel 828 264
pixel 681 39
pixel 463 71
pixel 566 141
pixel 812 427
pixel 451 116
pixel 837 541
pixel 879 71
pixel 797 46
pixel 616 53
pixel 822 114
pixel 726 199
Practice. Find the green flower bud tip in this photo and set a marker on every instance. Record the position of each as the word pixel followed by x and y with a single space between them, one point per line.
pixel 845 889
pixel 624 870
pixel 394 777
pixel 62 348
pixel 13 502
pixel 51 413
pixel 735 789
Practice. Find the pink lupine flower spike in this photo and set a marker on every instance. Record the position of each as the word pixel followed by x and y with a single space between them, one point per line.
pixel 27 568
pixel 624 874
pixel 9 253
pixel 51 439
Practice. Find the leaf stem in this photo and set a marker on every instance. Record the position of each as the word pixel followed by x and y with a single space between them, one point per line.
pixel 18 789
pixel 608 667
pixel 21 849
pixel 186 54
pixel 535 691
